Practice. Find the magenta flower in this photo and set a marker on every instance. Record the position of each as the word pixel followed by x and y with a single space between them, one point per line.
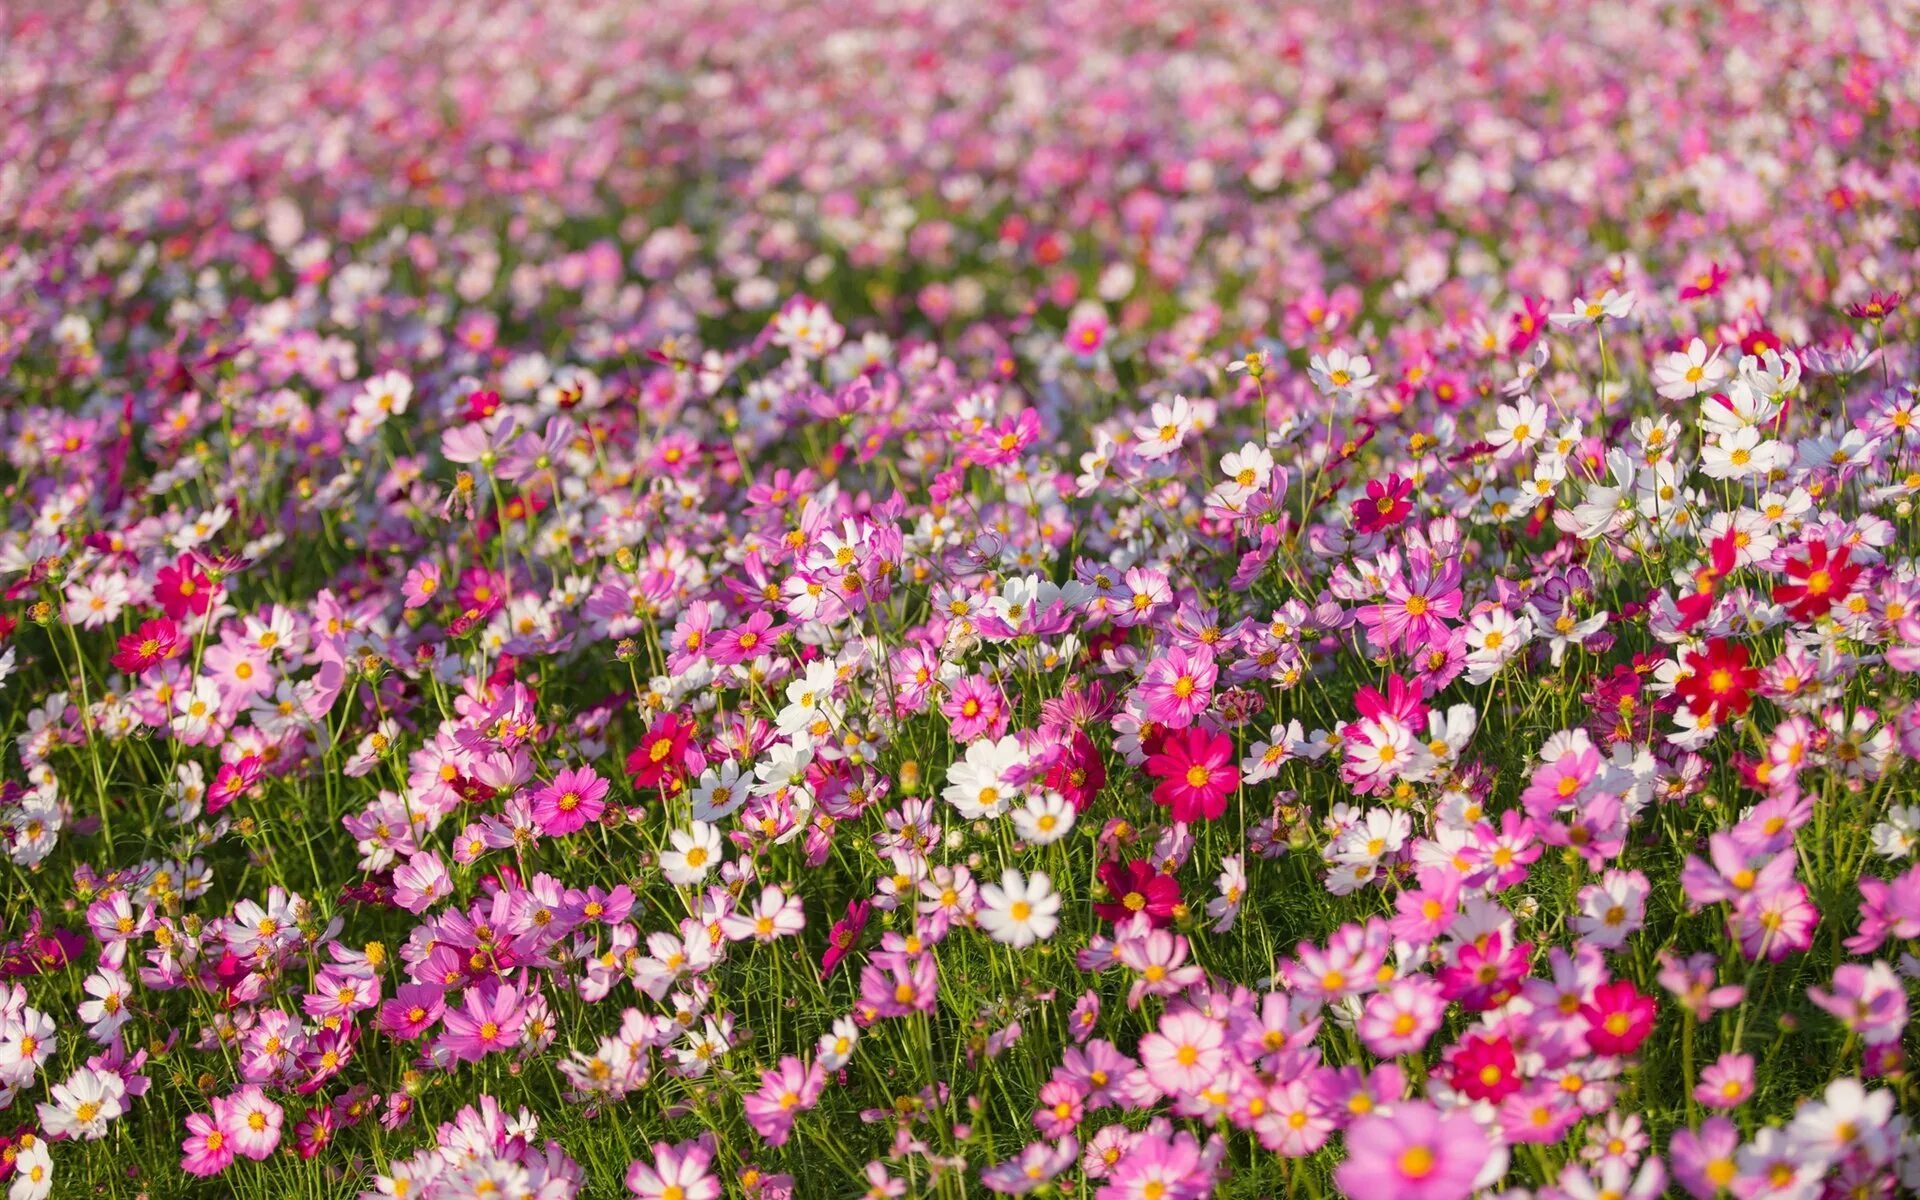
pixel 1197 773
pixel 1619 1018
pixel 844 935
pixel 974 708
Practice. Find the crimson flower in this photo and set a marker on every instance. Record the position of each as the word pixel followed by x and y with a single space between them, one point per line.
pixel 1719 680
pixel 183 589
pixel 147 647
pixel 1385 505
pixel 1138 887
pixel 1078 774
pixel 661 755
pixel 845 935
pixel 1706 579
pixel 1876 307
pixel 1482 1066
pixel 1821 580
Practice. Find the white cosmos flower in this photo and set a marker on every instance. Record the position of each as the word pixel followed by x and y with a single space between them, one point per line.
pixel 836 1045
pixel 1045 819
pixel 695 852
pixel 1019 912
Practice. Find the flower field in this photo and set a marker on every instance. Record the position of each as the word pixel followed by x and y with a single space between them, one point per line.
pixel 1118 600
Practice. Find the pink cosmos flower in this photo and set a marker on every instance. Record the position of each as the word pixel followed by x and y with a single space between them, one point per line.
pixel 1060 1108
pixel 1034 1167
pixel 1185 1053
pixel 893 984
pixel 207 1149
pixel 491 1019
pixel 679 1171
pixel 1693 981
pixel 1869 999
pixel 744 642
pixel 422 585
pixel 1425 912
pixel 1486 973
pixel 414 1009
pixel 1413 1153
pixel 1414 608
pixel 421 882
pixel 1178 686
pixel 1705 1160
pixel 251 1121
pixel 1560 783
pixel 1400 1019
pixel 1726 1083
pixel 974 709
pixel 784 1094
pixel 1775 923
pixel 1291 1122
pixel 1158 1167
pixel 575 798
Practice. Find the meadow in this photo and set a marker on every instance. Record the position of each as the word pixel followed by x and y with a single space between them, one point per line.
pixel 915 599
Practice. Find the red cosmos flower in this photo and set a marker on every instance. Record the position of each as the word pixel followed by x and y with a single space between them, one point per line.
pixel 1483 1067
pixel 661 755
pixel 1618 1017
pixel 1719 681
pixel 1706 578
pixel 1196 772
pixel 1079 773
pixel 1138 888
pixel 845 935
pixel 1758 340
pixel 1823 579
pixel 183 589
pixel 153 643
pixel 1385 504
